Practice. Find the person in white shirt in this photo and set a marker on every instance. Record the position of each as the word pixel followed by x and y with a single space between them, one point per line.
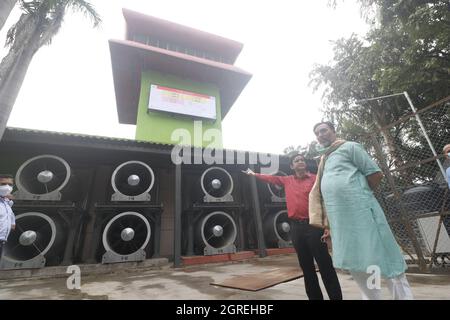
pixel 7 218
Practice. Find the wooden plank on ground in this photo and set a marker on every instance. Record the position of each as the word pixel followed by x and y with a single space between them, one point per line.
pixel 261 280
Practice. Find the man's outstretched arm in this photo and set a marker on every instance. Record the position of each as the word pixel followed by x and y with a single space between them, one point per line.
pixel 266 177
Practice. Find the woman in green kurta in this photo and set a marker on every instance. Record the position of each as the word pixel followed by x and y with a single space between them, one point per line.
pixel 360 233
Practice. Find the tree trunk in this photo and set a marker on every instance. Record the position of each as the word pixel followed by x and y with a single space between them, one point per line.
pixel 25 30
pixel 11 84
pixel 33 33
pixel 5 9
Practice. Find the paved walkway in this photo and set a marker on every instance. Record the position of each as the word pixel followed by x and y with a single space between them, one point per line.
pixel 164 283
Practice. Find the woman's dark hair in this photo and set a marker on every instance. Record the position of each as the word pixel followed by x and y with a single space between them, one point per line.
pixel 6 176
pixel 328 123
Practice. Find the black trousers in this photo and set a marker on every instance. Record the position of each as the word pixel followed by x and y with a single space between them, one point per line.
pixel 307 244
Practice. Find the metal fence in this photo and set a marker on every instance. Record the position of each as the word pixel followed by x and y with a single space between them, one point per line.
pixel 414 193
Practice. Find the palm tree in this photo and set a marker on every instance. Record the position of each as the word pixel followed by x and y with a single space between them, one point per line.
pixel 5 9
pixel 38 24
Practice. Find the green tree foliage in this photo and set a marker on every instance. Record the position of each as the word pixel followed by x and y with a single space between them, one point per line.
pixel 309 150
pixel 407 49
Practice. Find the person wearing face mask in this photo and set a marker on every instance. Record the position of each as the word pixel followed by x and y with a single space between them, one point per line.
pixel 307 240
pixel 342 202
pixel 7 218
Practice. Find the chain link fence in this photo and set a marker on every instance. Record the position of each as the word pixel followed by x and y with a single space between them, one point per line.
pixel 414 193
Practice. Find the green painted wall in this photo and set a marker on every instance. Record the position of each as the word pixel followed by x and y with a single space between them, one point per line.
pixel 158 126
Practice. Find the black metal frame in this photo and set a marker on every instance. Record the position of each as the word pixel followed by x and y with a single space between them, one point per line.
pixel 177 221
pixel 262 250
pixel 197 210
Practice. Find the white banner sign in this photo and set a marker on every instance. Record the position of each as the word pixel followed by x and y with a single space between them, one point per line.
pixel 182 102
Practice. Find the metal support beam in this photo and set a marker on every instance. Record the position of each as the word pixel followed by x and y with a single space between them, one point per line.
pixel 190 233
pixel 257 216
pixel 157 235
pixel 419 121
pixel 430 144
pixel 177 227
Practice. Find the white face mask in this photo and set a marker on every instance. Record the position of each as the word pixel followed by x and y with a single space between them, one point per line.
pixel 5 190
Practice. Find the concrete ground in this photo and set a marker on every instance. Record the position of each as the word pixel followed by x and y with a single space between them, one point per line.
pixel 192 283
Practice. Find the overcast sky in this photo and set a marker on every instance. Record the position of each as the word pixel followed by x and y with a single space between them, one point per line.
pixel 69 85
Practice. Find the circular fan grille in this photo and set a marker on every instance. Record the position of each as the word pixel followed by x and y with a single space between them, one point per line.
pixel 275 190
pixel 35 234
pixel 132 178
pixel 43 174
pixel 216 182
pixel 126 233
pixel 281 226
pixel 218 230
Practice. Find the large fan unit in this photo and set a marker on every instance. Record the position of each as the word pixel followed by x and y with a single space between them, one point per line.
pixel 276 191
pixel 217 185
pixel 428 229
pixel 42 178
pixel 417 200
pixel 423 199
pixel 216 232
pixel 132 181
pixel 277 229
pixel 37 241
pixel 125 238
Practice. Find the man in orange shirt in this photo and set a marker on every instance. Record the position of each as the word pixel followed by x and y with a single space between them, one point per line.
pixel 308 240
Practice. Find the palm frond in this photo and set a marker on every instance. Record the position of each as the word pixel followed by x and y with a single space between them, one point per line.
pixel 29 6
pixel 86 8
pixel 49 8
pixel 52 24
